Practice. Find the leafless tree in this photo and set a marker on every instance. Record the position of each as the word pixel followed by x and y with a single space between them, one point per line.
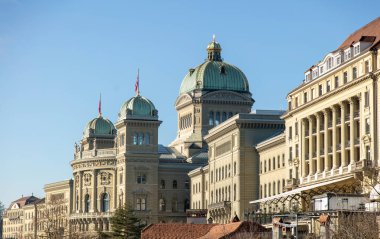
pixel 52 218
pixel 354 225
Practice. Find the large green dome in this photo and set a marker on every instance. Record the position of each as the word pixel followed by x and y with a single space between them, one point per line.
pixel 138 107
pixel 214 74
pixel 99 127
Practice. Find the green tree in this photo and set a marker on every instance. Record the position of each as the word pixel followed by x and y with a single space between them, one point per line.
pixel 2 208
pixel 125 224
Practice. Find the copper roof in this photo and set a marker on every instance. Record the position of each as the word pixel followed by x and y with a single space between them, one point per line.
pixel 370 32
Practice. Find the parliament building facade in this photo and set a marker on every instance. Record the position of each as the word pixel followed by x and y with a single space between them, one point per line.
pixel 226 158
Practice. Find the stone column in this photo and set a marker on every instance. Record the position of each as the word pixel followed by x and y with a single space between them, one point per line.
pixel 311 150
pixel 326 143
pixel 80 191
pixel 352 130
pixel 343 133
pixel 303 147
pixel 334 138
pixel 94 190
pixel 318 149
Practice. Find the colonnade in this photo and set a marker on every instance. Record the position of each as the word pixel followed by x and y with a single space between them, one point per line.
pixel 331 137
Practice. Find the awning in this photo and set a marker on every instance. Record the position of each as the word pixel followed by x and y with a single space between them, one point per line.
pixel 298 190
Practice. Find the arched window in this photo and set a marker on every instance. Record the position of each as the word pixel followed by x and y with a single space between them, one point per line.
pixel 224 116
pixel 141 138
pixel 135 138
pixel 186 205
pixel 147 138
pixel 217 118
pixel 87 203
pixel 105 202
pixel 174 184
pixel 162 205
pixel 162 184
pixel 211 118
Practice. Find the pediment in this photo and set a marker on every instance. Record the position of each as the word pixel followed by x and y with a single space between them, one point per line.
pixel 183 99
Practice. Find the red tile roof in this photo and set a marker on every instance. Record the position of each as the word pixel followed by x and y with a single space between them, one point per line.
pixel 175 230
pixel 24 201
pixel 370 32
pixel 201 231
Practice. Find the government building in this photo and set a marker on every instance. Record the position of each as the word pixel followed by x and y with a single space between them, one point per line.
pixel 227 161
pixel 122 162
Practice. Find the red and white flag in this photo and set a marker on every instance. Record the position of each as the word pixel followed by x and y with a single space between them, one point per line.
pixel 137 82
pixel 100 105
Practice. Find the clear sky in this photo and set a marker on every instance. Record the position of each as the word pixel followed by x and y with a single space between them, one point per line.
pixel 57 56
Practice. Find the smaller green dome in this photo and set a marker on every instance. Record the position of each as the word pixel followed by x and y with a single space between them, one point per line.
pixel 99 127
pixel 138 107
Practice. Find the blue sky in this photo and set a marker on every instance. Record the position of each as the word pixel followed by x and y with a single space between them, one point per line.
pixel 57 56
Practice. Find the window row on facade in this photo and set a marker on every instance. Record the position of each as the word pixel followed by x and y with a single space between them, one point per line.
pixel 223 194
pixel 327 86
pixel 215 118
pixel 222 173
pixel 336 59
pixel 271 189
pixel 272 164
pixel 185 121
pixel 104 203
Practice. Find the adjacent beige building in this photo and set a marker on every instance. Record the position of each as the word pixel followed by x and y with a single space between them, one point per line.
pixel 331 137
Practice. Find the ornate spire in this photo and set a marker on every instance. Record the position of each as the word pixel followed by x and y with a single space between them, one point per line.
pixel 214 50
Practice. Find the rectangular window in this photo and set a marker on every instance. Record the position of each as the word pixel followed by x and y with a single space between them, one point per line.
pixel 290 153
pixel 290 173
pixel 283 160
pixel 367 126
pixel 296 150
pixel 274 163
pixel 290 105
pixel 278 162
pixel 296 101
pixel 141 178
pixel 345 77
pixel 354 73
pixel 296 128
pixel 320 90
pixel 366 99
pixel 305 97
pixel 140 204
pixel 234 192
pixel 312 94
pixel 328 86
pixel 234 168
pixel 366 67
pixel 368 152
pixel 336 82
pixel 290 132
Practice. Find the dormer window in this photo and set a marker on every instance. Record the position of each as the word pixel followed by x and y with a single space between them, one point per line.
pixel 338 60
pixel 347 54
pixel 329 63
pixel 307 77
pixel 315 73
pixel 357 49
pixel 222 70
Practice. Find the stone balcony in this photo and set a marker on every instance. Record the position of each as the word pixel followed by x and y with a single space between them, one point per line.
pixel 91 215
pixel 291 183
pixel 95 153
pixel 354 167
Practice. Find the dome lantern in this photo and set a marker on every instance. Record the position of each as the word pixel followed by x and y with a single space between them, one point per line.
pixel 213 50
